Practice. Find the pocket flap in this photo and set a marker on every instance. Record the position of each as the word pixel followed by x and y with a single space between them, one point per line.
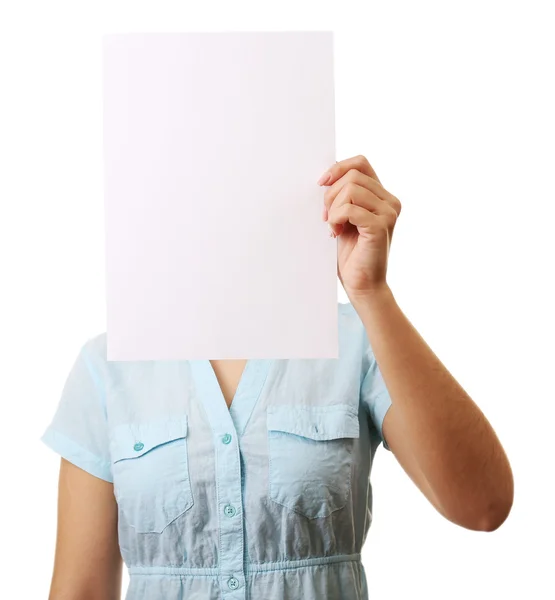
pixel 315 422
pixel 131 440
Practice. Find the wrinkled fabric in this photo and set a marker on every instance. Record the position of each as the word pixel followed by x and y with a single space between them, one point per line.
pixel 269 499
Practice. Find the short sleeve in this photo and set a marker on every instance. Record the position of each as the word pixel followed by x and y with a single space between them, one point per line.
pixel 78 431
pixel 374 393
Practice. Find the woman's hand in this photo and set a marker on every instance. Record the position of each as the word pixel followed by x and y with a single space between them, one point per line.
pixel 363 214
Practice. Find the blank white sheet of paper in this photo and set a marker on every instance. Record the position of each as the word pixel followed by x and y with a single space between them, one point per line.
pixel 215 244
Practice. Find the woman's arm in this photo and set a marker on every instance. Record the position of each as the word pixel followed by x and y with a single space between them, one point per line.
pixel 87 564
pixel 436 431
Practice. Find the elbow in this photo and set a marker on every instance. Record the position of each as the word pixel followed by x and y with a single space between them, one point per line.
pixel 500 505
pixel 495 517
pixel 494 514
pixel 497 512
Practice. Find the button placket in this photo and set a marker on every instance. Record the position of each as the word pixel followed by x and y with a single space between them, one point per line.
pixel 228 425
pixel 231 529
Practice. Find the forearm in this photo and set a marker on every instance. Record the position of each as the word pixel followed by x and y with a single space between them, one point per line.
pixel 454 445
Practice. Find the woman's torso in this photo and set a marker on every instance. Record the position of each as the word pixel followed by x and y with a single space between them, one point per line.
pixel 265 496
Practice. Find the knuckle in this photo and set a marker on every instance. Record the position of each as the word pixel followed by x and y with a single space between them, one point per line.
pixel 349 210
pixel 350 188
pixel 352 174
pixel 391 217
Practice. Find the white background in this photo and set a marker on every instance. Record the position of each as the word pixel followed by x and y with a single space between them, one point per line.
pixel 452 103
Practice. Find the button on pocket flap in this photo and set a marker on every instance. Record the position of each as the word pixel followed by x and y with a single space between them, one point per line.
pixel 131 440
pixel 315 422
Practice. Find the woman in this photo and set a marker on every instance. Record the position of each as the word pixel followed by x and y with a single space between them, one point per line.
pixel 250 479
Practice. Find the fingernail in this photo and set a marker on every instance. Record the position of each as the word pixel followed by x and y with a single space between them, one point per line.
pixel 325 178
pixel 332 232
pixel 325 214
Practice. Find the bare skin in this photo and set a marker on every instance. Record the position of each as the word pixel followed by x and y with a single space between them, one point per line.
pixel 435 430
pixel 228 373
pixel 87 562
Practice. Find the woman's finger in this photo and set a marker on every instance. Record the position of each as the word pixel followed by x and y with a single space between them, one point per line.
pixel 360 163
pixel 352 193
pixel 356 177
pixel 357 216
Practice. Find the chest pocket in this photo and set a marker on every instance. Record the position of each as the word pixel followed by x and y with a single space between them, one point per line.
pixel 151 472
pixel 310 454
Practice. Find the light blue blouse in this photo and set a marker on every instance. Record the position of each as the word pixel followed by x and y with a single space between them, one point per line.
pixel 270 499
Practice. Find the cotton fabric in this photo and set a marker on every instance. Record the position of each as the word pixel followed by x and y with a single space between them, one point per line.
pixel 270 499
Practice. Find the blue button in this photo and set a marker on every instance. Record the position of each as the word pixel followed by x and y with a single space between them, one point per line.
pixel 226 439
pixel 138 446
pixel 232 583
pixel 229 510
